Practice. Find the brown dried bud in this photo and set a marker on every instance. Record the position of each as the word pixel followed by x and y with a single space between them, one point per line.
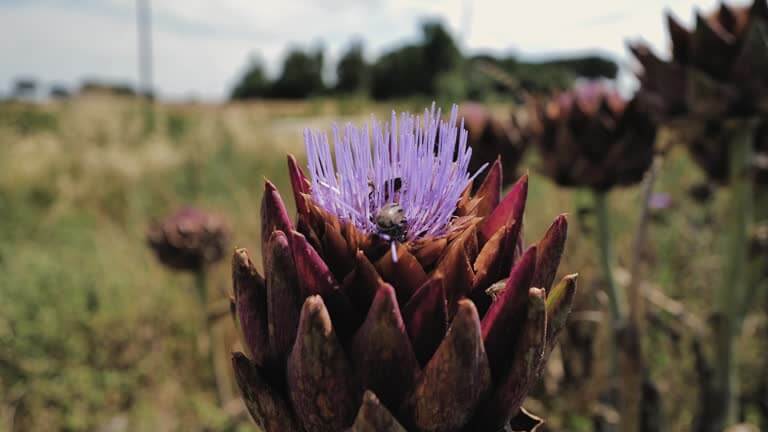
pixel 591 137
pixel 189 239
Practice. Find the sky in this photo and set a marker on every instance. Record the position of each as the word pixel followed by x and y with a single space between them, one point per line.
pixel 201 47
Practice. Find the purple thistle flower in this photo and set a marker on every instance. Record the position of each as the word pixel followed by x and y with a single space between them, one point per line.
pixel 419 163
pixel 336 314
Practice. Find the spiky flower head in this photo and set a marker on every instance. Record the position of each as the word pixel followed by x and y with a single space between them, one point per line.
pixel 492 136
pixel 442 327
pixel 189 239
pixel 718 71
pixel 591 137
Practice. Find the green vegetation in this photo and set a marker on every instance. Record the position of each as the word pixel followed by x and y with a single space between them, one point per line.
pixel 352 72
pixel 24 120
pixel 94 331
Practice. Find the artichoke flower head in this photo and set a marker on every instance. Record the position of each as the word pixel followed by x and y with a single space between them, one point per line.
pixel 397 300
pixel 718 72
pixel 190 239
pixel 591 137
pixel 491 136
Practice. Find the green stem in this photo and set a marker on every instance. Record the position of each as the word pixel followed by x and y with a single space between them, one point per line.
pixel 616 295
pixel 761 203
pixel 758 271
pixel 735 287
pixel 759 274
pixel 634 371
pixel 201 287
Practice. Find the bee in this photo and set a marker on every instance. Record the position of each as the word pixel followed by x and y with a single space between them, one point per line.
pixel 390 221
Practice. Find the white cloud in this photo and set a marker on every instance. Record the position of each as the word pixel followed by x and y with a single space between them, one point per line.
pixel 200 45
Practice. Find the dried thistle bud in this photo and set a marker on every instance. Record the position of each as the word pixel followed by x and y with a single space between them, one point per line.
pixel 591 137
pixel 491 137
pixel 189 239
pixel 718 71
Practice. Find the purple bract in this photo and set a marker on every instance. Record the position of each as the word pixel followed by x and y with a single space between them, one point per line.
pixel 419 162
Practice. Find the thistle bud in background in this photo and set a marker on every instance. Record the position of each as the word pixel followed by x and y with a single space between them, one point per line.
pixel 491 137
pixel 397 299
pixel 718 70
pixel 189 239
pixel 591 137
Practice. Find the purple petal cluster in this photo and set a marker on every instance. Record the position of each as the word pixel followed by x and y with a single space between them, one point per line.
pixel 418 162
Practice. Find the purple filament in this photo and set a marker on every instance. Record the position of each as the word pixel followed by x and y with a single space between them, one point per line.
pixel 425 157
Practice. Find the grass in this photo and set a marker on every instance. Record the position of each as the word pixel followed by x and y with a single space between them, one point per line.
pixel 96 335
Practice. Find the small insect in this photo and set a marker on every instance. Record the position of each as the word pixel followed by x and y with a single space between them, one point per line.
pixel 495 290
pixel 390 220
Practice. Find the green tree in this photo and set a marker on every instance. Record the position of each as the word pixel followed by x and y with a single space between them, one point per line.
pixel 416 69
pixel 399 73
pixel 352 71
pixel 254 84
pixel 591 66
pixel 440 52
pixel 302 75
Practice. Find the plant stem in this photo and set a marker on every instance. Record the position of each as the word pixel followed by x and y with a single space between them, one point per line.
pixel 757 285
pixel 632 360
pixel 761 203
pixel 616 296
pixel 758 267
pixel 735 287
pixel 635 295
pixel 201 287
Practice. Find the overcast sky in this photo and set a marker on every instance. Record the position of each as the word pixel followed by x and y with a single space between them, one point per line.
pixel 202 46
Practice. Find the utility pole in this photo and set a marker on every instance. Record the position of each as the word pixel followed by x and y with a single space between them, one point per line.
pixel 466 21
pixel 144 30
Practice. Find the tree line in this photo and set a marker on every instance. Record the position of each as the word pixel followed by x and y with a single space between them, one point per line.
pixel 433 66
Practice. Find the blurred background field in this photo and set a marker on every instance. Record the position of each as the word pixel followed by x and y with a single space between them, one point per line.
pixel 120 114
pixel 96 335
